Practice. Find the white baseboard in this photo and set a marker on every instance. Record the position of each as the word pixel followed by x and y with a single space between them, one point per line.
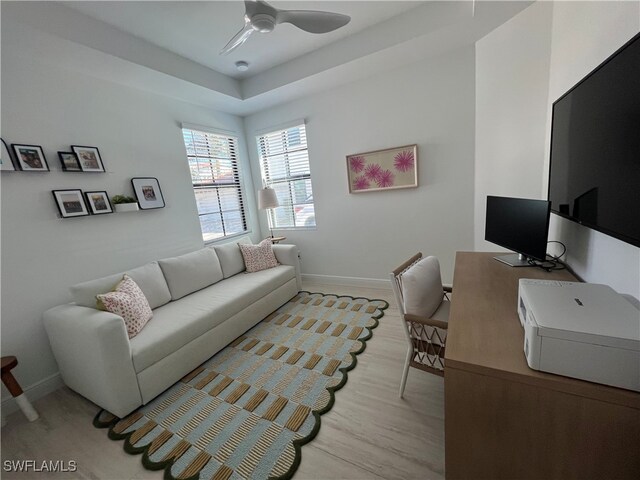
pixel 347 281
pixel 34 392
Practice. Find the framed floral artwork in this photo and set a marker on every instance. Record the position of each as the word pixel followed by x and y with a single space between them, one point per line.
pixel 89 158
pixel 388 169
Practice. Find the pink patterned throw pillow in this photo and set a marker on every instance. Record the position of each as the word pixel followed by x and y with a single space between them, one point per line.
pixel 128 302
pixel 258 257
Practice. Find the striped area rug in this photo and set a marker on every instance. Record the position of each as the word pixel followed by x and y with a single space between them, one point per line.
pixel 247 411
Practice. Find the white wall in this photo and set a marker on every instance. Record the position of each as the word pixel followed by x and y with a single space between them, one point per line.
pixel 512 72
pixel 366 235
pixel 138 134
pixel 584 34
pixel 522 67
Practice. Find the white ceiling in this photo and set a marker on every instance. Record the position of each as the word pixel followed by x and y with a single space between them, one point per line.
pixel 199 30
pixel 171 48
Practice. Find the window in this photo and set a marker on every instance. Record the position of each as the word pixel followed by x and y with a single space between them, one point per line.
pixel 284 162
pixel 215 175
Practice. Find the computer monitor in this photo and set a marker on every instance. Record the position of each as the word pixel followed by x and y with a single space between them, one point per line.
pixel 519 224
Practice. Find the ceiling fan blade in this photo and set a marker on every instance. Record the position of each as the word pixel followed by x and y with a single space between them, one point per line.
pixel 238 39
pixel 313 22
pixel 253 7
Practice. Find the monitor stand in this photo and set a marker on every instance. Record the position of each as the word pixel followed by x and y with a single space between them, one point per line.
pixel 514 260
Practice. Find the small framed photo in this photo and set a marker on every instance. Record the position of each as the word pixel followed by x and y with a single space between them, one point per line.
pixel 69 161
pixel 6 162
pixel 89 158
pixel 70 203
pixel 148 192
pixel 30 158
pixel 98 202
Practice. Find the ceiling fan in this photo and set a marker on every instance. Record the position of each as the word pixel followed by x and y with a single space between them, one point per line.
pixel 262 17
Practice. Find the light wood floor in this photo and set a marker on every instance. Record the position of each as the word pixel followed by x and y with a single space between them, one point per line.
pixel 370 433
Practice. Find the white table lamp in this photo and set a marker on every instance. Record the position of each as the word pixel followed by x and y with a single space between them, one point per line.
pixel 267 199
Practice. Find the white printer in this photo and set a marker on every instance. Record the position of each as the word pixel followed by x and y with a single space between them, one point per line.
pixel 580 330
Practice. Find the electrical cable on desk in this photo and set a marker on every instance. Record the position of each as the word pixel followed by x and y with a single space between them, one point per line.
pixel 564 250
pixel 554 262
pixel 547 265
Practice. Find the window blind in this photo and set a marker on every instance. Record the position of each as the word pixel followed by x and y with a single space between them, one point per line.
pixel 284 162
pixel 216 179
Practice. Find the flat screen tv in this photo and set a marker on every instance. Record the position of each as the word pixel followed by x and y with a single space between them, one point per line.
pixel 519 224
pixel 594 174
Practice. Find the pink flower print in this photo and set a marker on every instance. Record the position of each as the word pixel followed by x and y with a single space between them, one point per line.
pixel 385 179
pixel 356 163
pixel 373 171
pixel 403 161
pixel 360 183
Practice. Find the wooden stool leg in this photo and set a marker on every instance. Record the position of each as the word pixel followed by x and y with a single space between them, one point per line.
pixel 21 399
pixel 12 384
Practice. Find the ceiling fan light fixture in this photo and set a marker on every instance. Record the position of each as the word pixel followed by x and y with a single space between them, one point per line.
pixel 263 22
pixel 261 17
pixel 242 66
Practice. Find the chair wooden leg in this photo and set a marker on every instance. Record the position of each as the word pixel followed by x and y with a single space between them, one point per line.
pixel 405 372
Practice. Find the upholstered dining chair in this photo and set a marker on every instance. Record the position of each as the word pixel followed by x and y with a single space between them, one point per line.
pixel 424 306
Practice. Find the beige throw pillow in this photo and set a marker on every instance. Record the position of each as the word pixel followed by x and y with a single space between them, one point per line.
pixel 422 287
pixel 258 257
pixel 128 302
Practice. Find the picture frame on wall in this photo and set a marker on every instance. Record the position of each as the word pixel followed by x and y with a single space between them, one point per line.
pixel 388 169
pixel 70 203
pixel 69 162
pixel 6 162
pixel 89 158
pixel 148 192
pixel 98 202
pixel 30 158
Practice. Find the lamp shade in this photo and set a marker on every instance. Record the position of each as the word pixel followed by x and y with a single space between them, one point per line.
pixel 267 198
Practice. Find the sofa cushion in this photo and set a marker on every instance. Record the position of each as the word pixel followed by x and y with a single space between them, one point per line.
pixel 230 258
pixel 128 301
pixel 149 278
pixel 258 257
pixel 191 272
pixel 178 323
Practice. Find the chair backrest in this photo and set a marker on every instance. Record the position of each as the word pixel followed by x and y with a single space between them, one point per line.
pixel 396 280
pixel 417 285
pixel 427 340
pixel 422 287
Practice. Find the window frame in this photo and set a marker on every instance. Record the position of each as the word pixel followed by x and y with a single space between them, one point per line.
pixel 288 178
pixel 232 141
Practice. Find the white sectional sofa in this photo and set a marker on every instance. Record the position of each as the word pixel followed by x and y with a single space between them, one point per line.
pixel 201 302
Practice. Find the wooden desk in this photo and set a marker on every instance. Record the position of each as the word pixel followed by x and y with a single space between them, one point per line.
pixel 504 420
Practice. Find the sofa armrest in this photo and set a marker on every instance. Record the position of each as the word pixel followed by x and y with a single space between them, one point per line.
pixel 94 355
pixel 288 255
